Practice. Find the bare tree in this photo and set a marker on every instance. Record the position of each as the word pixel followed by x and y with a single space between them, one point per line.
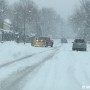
pixel 25 17
pixel 80 20
pixel 50 22
pixel 3 11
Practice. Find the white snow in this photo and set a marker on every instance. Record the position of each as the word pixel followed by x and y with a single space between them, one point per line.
pixel 7 21
pixel 57 68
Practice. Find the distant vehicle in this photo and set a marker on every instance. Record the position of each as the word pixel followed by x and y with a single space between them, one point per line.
pixel 64 40
pixel 42 42
pixel 79 45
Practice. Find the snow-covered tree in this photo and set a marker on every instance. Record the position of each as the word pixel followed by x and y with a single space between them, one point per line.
pixel 80 20
pixel 3 11
pixel 50 22
pixel 25 16
pixel 28 19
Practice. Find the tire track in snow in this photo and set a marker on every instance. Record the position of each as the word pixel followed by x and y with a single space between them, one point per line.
pixel 80 73
pixel 76 72
pixel 68 73
pixel 72 71
pixel 76 85
pixel 86 77
pixel 85 73
pixel 13 82
pixel 44 81
pixel 25 57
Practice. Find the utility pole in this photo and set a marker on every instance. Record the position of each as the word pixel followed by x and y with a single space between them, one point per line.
pixel 24 28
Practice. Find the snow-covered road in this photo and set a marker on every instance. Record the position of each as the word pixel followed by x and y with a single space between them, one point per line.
pixel 36 68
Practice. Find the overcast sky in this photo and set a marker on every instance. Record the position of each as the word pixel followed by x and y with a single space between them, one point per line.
pixel 63 7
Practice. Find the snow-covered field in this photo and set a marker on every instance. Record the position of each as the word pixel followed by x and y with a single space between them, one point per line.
pixel 23 67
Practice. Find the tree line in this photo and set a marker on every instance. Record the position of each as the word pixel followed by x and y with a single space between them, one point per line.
pixel 80 20
pixel 27 18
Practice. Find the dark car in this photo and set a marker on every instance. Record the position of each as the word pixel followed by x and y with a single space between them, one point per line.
pixel 48 41
pixel 63 40
pixel 79 45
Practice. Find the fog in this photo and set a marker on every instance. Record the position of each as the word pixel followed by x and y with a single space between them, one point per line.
pixel 63 7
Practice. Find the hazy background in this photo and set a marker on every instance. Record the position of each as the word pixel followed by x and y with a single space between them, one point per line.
pixel 72 22
pixel 63 7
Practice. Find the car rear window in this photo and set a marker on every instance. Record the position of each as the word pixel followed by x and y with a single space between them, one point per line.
pixel 80 41
pixel 43 38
